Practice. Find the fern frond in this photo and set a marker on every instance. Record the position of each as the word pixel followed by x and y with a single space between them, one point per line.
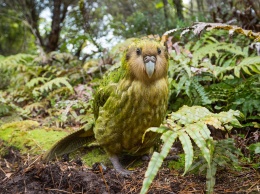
pixel 36 81
pixel 201 92
pixel 59 93
pixel 157 159
pixel 18 62
pixel 252 63
pixel 188 149
pixel 215 49
pixel 193 131
pixel 190 123
pixel 4 109
pixel 49 86
pixel 36 107
pixel 200 26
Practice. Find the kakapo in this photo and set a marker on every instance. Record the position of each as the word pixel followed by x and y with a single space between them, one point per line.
pixel 128 101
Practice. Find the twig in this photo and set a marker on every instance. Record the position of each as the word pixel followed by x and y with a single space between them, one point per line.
pixel 2 170
pixel 49 189
pixel 101 170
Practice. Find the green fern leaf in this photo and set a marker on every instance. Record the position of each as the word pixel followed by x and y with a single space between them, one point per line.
pixel 157 158
pixel 211 180
pixel 230 117
pixel 48 86
pixel 36 81
pixel 255 68
pixel 186 114
pixel 215 49
pixel 37 106
pixel 191 123
pixel 202 93
pixel 194 132
pixel 252 63
pixel 161 129
pixel 188 149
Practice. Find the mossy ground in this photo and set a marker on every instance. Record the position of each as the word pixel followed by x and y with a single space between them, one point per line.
pixel 29 137
pixel 177 164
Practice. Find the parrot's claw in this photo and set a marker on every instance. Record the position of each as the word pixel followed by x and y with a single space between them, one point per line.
pixel 118 167
pixel 146 157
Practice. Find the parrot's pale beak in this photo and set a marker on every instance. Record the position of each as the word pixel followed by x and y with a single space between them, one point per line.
pixel 149 65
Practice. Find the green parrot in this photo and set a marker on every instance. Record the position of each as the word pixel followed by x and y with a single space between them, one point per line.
pixel 128 101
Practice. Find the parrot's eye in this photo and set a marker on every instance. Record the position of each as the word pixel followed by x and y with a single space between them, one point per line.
pixel 138 51
pixel 159 51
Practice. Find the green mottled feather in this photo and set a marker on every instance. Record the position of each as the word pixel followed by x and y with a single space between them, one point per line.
pixel 125 107
pixel 126 103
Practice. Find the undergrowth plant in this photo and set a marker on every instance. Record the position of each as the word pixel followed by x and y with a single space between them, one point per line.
pixel 213 73
pixel 190 124
pixel 219 72
pixel 49 88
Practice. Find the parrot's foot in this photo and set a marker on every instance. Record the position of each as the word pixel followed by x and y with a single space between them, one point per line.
pixel 118 167
pixel 146 157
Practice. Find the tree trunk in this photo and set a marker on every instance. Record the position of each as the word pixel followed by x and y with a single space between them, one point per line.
pixel 165 7
pixel 57 19
pixel 200 6
pixel 191 8
pixel 179 7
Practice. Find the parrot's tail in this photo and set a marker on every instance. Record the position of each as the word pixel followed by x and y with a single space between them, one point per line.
pixel 70 143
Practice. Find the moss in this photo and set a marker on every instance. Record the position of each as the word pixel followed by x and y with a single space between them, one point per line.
pixel 29 137
pixel 21 125
pixel 179 164
pixel 96 155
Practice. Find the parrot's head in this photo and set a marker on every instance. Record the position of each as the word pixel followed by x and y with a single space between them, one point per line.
pixel 147 60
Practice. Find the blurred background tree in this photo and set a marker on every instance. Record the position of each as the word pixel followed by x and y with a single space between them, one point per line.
pixel 87 27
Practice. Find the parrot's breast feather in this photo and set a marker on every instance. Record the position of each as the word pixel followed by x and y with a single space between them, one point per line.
pixel 131 108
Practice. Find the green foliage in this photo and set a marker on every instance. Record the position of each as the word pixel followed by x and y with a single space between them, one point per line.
pixel 38 83
pixel 191 124
pixel 140 19
pixel 15 36
pixel 255 148
pixel 215 71
pixel 238 94
pixel 224 154
pixel 220 74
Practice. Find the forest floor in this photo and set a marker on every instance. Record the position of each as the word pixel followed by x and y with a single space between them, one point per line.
pixel 24 174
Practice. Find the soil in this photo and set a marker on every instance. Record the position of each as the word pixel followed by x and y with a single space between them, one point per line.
pixel 25 174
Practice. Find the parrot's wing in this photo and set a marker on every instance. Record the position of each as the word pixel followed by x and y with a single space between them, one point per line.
pixel 101 97
pixel 107 87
